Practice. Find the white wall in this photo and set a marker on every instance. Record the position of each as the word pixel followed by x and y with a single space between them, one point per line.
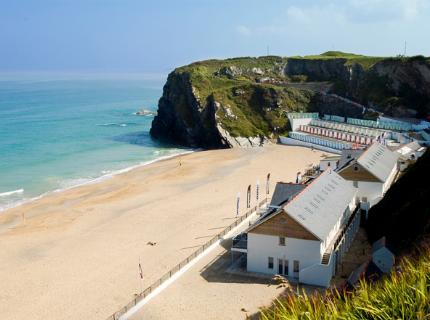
pixel 370 190
pixel 390 179
pixel 260 247
pixel 324 164
pixel 296 123
pixel 318 274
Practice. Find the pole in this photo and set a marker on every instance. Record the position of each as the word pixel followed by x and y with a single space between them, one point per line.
pixel 140 276
pixel 237 204
pixel 257 194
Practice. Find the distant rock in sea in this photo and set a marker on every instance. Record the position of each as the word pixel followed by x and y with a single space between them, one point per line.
pixel 145 112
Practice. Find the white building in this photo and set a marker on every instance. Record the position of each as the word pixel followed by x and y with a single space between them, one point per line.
pixel 371 171
pixel 306 236
pixel 411 151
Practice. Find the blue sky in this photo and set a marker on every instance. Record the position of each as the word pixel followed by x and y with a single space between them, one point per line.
pixel 142 36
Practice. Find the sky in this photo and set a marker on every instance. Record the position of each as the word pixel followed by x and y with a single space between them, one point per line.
pixel 155 36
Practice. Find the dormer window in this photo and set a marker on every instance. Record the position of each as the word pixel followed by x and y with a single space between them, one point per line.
pixel 282 241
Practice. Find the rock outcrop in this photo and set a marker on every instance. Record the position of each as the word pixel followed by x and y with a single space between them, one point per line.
pixel 243 101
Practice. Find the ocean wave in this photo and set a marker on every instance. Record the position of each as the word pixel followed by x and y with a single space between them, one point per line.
pixel 9 193
pixel 113 124
pixel 78 182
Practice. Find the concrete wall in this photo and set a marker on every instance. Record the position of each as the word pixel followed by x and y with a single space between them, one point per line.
pixel 260 247
pixel 370 190
pixel 390 180
pixel 318 274
pixel 384 259
pixel 294 142
pixel 324 164
pixel 296 123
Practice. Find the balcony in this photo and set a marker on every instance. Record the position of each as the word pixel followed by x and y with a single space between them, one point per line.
pixel 240 243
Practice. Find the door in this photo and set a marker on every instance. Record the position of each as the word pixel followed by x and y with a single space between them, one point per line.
pixel 283 267
pixel 296 268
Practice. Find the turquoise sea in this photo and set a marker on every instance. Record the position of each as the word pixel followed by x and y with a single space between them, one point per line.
pixel 57 134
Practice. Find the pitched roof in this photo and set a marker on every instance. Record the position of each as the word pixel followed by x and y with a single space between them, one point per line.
pixel 378 160
pixel 284 192
pixel 322 203
pixel 409 148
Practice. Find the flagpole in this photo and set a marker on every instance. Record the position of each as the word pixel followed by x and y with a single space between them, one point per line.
pixel 140 277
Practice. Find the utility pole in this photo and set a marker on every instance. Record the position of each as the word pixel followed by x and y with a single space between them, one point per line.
pixel 267 50
pixel 404 52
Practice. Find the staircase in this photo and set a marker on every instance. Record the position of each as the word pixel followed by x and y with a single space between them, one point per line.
pixel 326 258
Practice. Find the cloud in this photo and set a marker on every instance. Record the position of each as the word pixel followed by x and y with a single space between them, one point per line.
pixel 389 9
pixel 298 14
pixel 243 30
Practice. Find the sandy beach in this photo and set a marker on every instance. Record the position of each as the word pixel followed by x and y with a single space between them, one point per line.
pixel 75 254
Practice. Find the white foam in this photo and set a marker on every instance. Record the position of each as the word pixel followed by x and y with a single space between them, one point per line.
pixel 8 193
pixel 86 181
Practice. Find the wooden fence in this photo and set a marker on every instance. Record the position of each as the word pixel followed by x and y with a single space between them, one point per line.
pixel 183 263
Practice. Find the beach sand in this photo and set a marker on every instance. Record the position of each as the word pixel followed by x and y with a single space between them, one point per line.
pixel 75 254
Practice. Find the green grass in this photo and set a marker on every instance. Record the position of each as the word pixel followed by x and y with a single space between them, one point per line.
pixel 255 112
pixel 401 295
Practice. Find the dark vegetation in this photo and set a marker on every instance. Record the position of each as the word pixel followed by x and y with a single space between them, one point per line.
pixel 403 215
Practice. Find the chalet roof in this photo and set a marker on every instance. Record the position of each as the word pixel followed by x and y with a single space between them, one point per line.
pixel 284 192
pixel 408 148
pixel 378 160
pixel 319 206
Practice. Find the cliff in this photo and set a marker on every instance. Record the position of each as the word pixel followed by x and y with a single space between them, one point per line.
pixel 243 101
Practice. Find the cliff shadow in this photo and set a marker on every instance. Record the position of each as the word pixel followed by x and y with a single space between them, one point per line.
pixel 224 269
pixel 142 138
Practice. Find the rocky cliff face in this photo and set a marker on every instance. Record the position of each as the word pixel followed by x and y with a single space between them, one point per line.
pixel 183 119
pixel 244 101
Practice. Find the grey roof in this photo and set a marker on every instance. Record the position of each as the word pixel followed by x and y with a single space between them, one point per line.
pixel 348 156
pixel 409 148
pixel 284 192
pixel 320 206
pixel 379 160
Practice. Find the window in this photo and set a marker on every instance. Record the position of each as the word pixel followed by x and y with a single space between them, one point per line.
pixel 355 184
pixel 270 263
pixel 282 241
pixel 296 266
pixel 328 164
pixel 355 168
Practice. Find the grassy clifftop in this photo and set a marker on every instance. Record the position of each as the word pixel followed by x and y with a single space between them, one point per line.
pixel 227 100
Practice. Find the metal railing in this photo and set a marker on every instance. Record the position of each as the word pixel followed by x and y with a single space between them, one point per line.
pixel 183 263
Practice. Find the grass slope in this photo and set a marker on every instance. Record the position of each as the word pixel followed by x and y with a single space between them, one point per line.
pixel 403 295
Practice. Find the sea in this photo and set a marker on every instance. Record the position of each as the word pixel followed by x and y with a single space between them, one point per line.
pixel 58 133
